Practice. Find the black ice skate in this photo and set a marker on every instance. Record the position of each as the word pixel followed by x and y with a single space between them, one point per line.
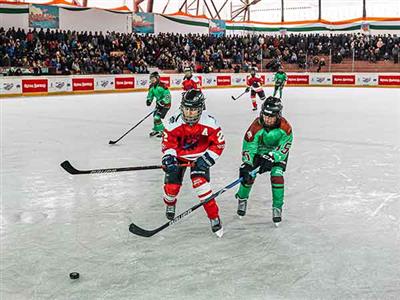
pixel 276 215
pixel 255 108
pixel 242 207
pixel 170 212
pixel 156 134
pixel 216 227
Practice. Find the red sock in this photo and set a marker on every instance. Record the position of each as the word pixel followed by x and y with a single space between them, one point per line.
pixel 254 103
pixel 203 190
pixel 171 190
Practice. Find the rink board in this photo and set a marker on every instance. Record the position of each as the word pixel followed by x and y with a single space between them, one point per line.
pixel 77 84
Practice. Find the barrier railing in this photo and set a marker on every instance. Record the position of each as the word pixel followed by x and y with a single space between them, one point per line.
pixel 48 85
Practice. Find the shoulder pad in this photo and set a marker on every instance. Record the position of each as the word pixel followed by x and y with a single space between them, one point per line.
pixel 174 118
pixel 208 120
pixel 174 122
pixel 252 131
pixel 285 126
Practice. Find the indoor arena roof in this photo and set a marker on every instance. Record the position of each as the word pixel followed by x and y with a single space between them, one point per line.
pixel 263 10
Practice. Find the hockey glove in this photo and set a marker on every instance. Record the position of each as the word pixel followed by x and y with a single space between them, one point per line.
pixel 169 163
pixel 161 104
pixel 247 89
pixel 244 172
pixel 148 102
pixel 204 162
pixel 266 163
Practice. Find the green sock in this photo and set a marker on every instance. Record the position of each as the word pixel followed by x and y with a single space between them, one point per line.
pixel 277 188
pixel 158 124
pixel 158 127
pixel 243 192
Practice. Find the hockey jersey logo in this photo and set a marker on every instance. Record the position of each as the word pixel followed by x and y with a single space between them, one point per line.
pixel 190 142
pixel 249 135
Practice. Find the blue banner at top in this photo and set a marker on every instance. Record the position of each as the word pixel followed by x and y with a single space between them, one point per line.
pixel 143 22
pixel 43 16
pixel 217 28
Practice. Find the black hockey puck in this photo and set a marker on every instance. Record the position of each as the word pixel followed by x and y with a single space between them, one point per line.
pixel 74 275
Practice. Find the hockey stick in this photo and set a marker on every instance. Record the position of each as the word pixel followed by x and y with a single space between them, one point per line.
pixel 114 142
pixel 235 98
pixel 66 165
pixel 148 233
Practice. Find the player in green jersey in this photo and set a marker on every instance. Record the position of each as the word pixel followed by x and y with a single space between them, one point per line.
pixel 266 145
pixel 280 79
pixel 161 93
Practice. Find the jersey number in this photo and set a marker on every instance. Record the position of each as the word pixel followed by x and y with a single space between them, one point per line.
pixel 165 136
pixel 246 156
pixel 286 148
pixel 220 137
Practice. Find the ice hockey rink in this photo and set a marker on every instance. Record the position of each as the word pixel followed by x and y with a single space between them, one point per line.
pixel 339 238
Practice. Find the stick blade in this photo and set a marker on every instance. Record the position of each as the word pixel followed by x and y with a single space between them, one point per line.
pixel 66 165
pixel 233 98
pixel 140 231
pixel 112 142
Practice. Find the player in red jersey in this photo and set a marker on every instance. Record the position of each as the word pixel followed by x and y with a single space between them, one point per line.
pixel 192 136
pixel 254 83
pixel 190 81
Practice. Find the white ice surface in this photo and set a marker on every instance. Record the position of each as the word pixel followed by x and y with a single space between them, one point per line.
pixel 339 239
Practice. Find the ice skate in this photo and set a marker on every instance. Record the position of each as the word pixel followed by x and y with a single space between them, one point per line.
pixel 242 207
pixel 156 134
pixel 276 216
pixel 216 227
pixel 170 212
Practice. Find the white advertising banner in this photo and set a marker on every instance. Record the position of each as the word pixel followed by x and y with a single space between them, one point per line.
pixel 238 79
pixel 10 85
pixel 102 83
pixel 367 79
pixel 142 81
pixel 269 78
pixel 209 80
pixel 321 79
pixel 60 84
pixel 176 80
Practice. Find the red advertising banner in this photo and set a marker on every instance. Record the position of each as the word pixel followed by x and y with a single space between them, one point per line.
pixel 223 80
pixel 343 79
pixel 34 85
pixel 82 84
pixel 298 79
pixel 124 83
pixel 389 80
pixel 166 80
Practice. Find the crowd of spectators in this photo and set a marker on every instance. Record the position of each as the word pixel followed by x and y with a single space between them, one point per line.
pixel 70 52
